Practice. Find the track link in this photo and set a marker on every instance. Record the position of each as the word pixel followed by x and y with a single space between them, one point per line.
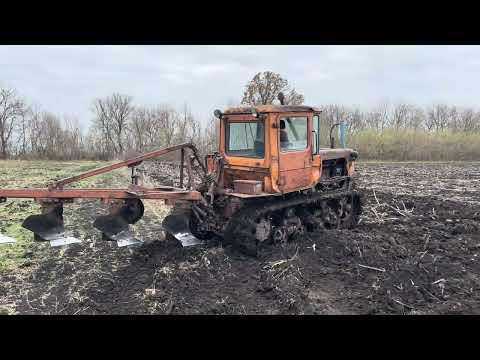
pixel 241 229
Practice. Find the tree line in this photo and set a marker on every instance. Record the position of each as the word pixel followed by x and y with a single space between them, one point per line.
pixel 402 132
pixel 121 128
pixel 432 118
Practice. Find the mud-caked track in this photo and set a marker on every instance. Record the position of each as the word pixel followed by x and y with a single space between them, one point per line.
pixel 415 251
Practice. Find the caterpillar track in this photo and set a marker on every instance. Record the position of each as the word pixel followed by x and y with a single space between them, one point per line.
pixel 260 223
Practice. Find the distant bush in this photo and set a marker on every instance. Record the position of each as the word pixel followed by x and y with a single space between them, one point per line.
pixel 405 144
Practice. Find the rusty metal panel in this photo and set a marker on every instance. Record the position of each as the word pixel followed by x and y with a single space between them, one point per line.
pixel 327 154
pixel 99 194
pixel 292 180
pixel 231 175
pixel 251 187
pixel 271 109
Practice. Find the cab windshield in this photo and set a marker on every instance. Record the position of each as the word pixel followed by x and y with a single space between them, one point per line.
pixel 293 133
pixel 246 139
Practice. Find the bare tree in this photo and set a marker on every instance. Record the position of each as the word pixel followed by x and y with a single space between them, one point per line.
pixel 355 120
pixel 438 117
pixel 45 135
pixel 72 139
pixel 95 146
pixel 416 118
pixel 182 126
pixel 400 115
pixel 210 137
pixel 378 118
pixel 35 127
pixel 469 120
pixel 335 113
pixel 12 109
pixel 264 88
pixel 142 128
pixel 168 120
pixel 111 118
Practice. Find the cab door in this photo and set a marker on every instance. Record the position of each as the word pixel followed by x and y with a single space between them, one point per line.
pixel 294 149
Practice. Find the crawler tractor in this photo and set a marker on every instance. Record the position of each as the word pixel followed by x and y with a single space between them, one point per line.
pixel 269 181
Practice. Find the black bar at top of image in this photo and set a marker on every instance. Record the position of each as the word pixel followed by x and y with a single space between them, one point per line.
pixel 205 36
pixel 203 23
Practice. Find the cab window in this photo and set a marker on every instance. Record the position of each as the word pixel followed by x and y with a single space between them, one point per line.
pixel 293 133
pixel 245 139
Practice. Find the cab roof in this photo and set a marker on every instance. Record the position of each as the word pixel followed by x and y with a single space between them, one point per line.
pixel 271 109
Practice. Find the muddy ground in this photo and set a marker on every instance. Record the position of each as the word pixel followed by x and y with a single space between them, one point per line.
pixel 415 251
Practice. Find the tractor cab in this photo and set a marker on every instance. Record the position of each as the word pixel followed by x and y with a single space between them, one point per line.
pixel 275 149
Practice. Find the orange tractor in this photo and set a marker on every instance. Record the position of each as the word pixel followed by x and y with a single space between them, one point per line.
pixel 269 181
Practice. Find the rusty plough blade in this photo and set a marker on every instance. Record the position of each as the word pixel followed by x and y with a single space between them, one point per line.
pixel 49 227
pixel 179 227
pixel 110 224
pixel 115 225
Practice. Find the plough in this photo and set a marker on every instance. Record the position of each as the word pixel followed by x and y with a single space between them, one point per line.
pixel 125 204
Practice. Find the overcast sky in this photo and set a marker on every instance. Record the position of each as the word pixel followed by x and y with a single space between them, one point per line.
pixel 65 79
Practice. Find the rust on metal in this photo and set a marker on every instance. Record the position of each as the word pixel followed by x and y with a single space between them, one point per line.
pixel 182 164
pixel 56 190
pixel 271 109
pixel 127 163
pixel 251 187
pixel 98 194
